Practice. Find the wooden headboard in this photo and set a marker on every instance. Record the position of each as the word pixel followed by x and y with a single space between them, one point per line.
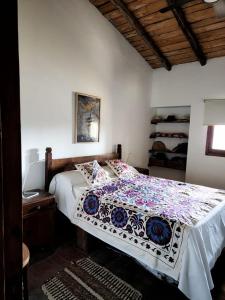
pixel 54 166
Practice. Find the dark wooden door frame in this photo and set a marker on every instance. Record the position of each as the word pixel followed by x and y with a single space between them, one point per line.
pixel 10 159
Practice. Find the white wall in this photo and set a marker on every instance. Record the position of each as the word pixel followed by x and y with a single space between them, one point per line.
pixel 189 84
pixel 68 46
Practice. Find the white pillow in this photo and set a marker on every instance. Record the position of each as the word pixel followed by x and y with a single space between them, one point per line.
pixel 74 177
pixel 65 180
pixel 109 172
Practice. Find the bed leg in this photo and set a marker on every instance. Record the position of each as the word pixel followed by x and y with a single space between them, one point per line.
pixel 82 239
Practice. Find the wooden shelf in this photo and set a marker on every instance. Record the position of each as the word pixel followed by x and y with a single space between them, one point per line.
pixel 169 152
pixel 165 121
pixel 168 135
pixel 167 139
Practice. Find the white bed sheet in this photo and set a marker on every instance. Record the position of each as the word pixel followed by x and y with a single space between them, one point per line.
pixel 205 242
pixel 66 185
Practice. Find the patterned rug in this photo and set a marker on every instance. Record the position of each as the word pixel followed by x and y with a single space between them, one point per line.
pixel 86 280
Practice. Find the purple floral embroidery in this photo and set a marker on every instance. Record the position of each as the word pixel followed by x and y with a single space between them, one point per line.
pixel 91 204
pixel 119 217
pixel 137 221
pixel 150 213
pixel 104 210
pixel 174 200
pixel 110 188
pixel 158 230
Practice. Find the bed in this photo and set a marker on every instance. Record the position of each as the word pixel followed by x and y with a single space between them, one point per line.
pixel 192 251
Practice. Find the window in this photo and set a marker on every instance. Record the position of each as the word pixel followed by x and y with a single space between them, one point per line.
pixel 215 144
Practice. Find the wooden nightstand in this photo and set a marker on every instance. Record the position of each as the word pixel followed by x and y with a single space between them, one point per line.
pixel 142 170
pixel 39 220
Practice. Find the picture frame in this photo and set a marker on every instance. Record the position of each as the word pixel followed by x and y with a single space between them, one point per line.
pixel 87 118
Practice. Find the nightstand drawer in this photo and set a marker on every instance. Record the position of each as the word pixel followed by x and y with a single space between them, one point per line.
pixel 142 170
pixel 29 210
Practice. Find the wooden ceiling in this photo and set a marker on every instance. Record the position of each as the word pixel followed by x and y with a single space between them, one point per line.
pixel 191 33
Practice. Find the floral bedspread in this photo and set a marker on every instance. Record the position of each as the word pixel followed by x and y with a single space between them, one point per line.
pixel 152 214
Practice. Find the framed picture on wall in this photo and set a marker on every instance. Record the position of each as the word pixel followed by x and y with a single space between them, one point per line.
pixel 87 118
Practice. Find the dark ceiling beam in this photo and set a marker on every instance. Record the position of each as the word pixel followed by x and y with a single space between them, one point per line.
pixel 188 32
pixel 133 21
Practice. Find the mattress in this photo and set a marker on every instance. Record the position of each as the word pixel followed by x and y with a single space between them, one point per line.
pixel 205 241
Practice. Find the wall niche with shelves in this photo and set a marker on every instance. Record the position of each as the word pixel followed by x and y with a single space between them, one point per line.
pixel 169 134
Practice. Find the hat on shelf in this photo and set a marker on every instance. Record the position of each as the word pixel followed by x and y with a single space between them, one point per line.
pixel 159 146
pixel 181 148
pixel 171 118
